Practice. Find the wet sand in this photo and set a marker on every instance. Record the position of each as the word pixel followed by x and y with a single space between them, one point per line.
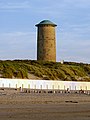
pixel 44 106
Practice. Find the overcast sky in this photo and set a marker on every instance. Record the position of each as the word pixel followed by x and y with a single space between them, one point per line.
pixel 18 34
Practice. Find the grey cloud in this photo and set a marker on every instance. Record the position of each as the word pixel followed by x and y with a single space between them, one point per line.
pixel 17 45
pixel 14 5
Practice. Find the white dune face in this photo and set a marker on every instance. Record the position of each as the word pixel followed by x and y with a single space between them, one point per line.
pixel 43 84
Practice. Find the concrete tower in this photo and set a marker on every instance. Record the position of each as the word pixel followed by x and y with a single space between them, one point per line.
pixel 46 41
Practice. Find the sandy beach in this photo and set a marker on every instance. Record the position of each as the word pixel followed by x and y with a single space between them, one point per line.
pixel 16 105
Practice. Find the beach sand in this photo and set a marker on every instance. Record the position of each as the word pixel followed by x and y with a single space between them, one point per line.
pixel 15 105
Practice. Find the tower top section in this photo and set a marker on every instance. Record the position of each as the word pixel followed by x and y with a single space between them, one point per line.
pixel 46 22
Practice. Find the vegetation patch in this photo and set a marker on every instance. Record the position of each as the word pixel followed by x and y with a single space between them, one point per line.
pixel 69 71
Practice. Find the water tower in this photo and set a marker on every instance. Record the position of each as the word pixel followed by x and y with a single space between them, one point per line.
pixel 46 41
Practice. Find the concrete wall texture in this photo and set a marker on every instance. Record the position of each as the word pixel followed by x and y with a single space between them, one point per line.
pixel 46 41
pixel 44 84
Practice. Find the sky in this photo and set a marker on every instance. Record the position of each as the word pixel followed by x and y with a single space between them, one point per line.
pixel 18 34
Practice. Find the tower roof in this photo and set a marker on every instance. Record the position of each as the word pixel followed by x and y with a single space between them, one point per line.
pixel 46 22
